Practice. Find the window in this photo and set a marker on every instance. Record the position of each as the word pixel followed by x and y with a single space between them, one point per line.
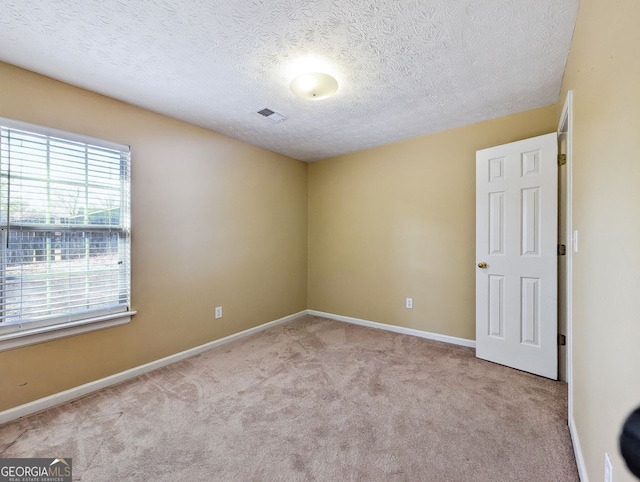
pixel 64 250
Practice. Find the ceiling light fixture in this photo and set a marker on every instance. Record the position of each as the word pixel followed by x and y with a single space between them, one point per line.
pixel 314 86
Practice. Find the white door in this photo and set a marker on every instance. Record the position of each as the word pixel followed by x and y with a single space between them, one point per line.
pixel 516 255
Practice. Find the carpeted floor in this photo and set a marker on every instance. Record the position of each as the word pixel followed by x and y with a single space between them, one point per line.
pixel 313 399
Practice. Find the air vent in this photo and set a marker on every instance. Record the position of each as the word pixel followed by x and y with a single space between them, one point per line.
pixel 272 115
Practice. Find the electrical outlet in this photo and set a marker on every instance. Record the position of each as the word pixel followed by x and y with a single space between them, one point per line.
pixel 409 303
pixel 218 312
pixel 608 468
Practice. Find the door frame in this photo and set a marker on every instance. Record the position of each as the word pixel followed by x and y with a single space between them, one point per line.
pixel 565 125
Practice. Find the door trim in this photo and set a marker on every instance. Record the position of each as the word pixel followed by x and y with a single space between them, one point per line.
pixel 565 125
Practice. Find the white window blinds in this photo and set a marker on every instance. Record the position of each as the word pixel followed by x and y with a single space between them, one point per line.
pixel 64 215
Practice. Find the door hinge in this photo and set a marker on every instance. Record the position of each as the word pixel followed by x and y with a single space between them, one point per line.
pixel 562 159
pixel 562 249
pixel 562 340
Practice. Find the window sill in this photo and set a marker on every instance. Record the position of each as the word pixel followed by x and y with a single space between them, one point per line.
pixel 64 330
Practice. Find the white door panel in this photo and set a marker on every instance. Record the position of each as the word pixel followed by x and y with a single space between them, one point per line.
pixel 516 236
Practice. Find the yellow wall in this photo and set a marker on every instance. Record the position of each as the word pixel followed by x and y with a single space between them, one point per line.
pixel 604 73
pixel 214 222
pixel 398 221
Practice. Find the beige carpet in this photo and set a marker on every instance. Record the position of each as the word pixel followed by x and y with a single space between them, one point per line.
pixel 313 399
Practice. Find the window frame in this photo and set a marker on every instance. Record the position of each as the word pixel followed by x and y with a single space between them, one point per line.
pixel 61 326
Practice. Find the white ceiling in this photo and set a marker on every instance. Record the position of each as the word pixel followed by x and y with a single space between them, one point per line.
pixel 405 67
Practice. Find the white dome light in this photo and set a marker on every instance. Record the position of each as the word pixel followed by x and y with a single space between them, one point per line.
pixel 314 86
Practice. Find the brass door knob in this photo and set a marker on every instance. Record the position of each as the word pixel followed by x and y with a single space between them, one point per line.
pixel 482 264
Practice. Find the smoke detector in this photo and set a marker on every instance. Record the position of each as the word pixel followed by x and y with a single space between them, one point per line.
pixel 272 115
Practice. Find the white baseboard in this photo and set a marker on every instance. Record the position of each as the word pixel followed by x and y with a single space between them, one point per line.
pixel 577 450
pixel 397 329
pixel 76 392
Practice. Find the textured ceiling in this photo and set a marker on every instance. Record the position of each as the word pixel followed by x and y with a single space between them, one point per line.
pixel 405 67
